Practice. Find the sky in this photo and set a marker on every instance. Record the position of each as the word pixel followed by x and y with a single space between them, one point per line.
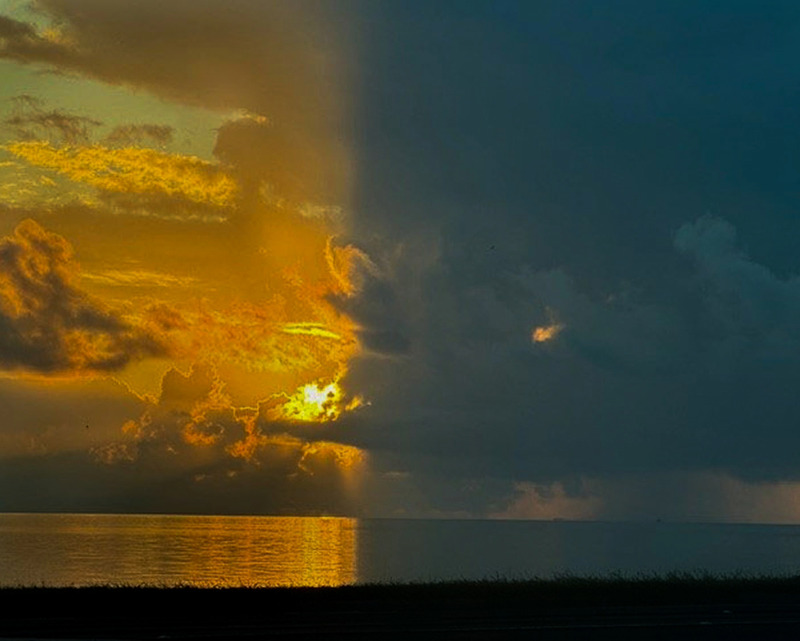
pixel 400 259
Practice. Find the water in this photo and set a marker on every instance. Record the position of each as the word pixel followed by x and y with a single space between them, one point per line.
pixel 81 549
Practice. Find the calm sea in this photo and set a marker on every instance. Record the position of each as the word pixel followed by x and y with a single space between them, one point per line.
pixel 84 549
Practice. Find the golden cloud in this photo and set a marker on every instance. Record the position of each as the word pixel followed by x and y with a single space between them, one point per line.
pixel 193 412
pixel 138 278
pixel 545 333
pixel 132 170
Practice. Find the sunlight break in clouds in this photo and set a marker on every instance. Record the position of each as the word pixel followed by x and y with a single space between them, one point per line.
pixel 219 292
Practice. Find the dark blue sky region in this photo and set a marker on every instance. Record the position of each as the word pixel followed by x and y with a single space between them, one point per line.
pixel 626 169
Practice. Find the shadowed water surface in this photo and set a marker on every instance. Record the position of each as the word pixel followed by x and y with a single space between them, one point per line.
pixel 82 549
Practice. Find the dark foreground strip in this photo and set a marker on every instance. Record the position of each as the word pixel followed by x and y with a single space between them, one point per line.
pixel 459 611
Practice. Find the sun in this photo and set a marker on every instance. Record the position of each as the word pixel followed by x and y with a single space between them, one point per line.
pixel 316 403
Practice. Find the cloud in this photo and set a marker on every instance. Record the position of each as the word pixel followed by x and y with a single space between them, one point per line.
pixel 132 170
pixel 255 337
pixel 260 153
pixel 545 333
pixel 47 323
pixel 30 121
pixel 705 496
pixel 192 50
pixel 139 278
pixel 194 437
pixel 747 305
pixel 132 135
pixel 387 303
pixel 688 379
pixel 194 410
pixel 20 41
pixel 488 208
pixel 127 177
pixel 545 502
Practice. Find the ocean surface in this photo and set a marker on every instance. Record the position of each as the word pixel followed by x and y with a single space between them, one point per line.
pixel 86 549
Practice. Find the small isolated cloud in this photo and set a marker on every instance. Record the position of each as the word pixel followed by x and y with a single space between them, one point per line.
pixel 546 333
pixel 133 135
pixel 47 323
pixel 30 121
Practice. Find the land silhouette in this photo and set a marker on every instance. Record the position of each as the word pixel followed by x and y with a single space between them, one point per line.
pixel 685 606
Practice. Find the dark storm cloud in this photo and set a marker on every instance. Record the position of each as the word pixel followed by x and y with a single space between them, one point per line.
pixel 700 380
pixel 388 295
pixel 755 309
pixel 560 163
pixel 545 127
pixel 20 41
pixel 242 50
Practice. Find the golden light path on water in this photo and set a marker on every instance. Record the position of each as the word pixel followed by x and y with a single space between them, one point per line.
pixel 165 550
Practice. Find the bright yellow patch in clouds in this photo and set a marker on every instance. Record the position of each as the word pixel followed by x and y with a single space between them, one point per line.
pixel 309 329
pixel 315 403
pixel 133 170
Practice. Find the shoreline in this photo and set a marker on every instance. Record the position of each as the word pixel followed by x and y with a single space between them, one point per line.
pixel 462 609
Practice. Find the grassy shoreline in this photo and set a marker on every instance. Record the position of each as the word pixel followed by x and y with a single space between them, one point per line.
pixel 679 584
pixel 364 611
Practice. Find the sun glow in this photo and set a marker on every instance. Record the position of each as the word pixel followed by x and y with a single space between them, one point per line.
pixel 318 403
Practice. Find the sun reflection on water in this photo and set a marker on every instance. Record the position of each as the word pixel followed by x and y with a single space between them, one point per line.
pixel 219 551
